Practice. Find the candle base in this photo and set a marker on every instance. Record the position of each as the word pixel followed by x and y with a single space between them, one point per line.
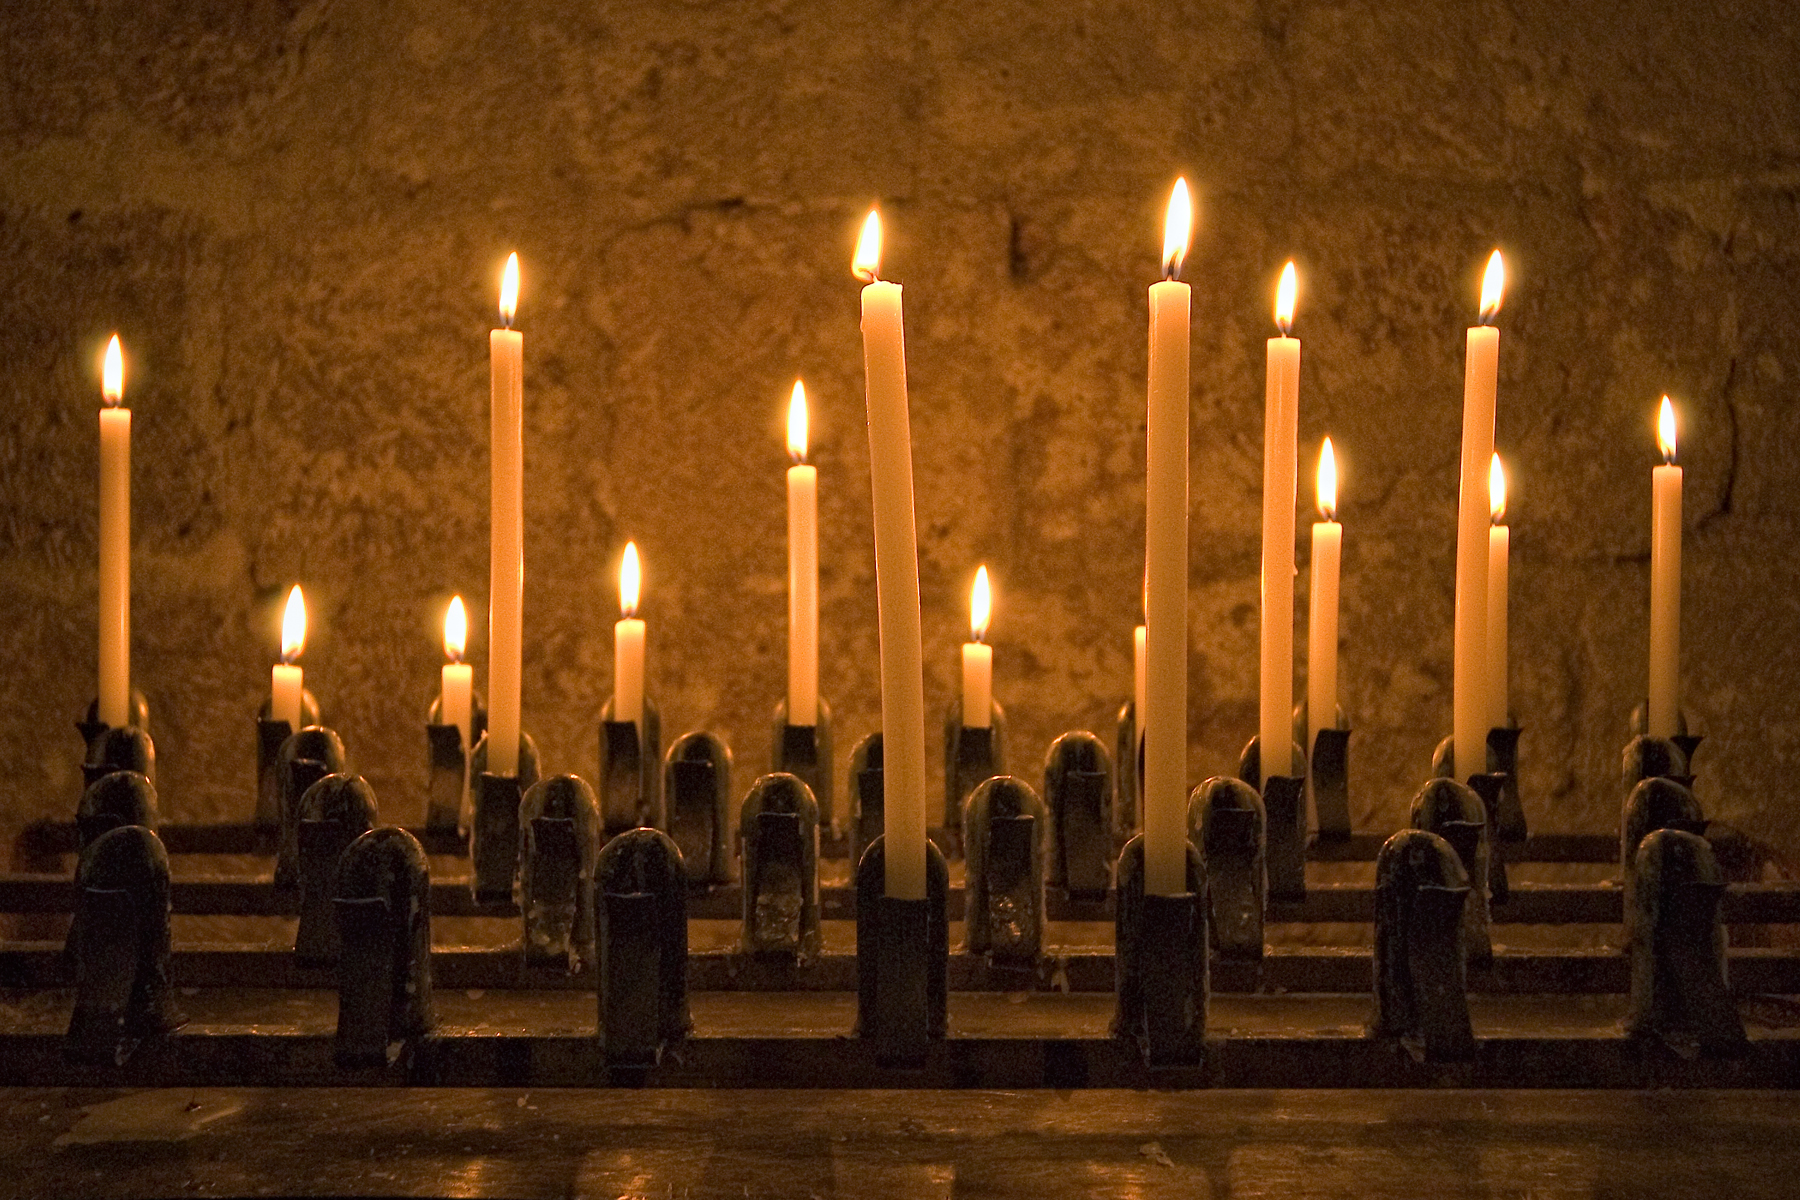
pixel 1686 734
pixel 1421 996
pixel 780 827
pixel 1079 797
pixel 902 961
pixel 1284 814
pixel 805 750
pixel 866 814
pixel 1455 812
pixel 972 755
pixel 115 799
pixel 1655 803
pixel 128 748
pixel 1679 994
pixel 559 819
pixel 697 803
pixel 270 733
pixel 1160 964
pixel 123 994
pixel 641 919
pixel 1128 777
pixel 1004 826
pixel 307 756
pixel 1225 820
pixel 630 779
pixel 383 909
pixel 1503 760
pixel 331 818
pixel 494 822
pixel 91 726
pixel 1328 779
pixel 1501 813
pixel 447 767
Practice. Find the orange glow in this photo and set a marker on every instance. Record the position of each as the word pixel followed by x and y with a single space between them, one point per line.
pixel 1496 490
pixel 981 605
pixel 509 290
pixel 1284 299
pixel 1178 227
pixel 867 263
pixel 293 626
pixel 1493 288
pixel 796 440
pixel 1665 430
pixel 1327 485
pixel 630 579
pixel 456 630
pixel 112 373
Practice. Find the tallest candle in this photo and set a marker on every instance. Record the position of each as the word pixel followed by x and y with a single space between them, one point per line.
pixel 1282 399
pixel 115 543
pixel 506 530
pixel 1470 697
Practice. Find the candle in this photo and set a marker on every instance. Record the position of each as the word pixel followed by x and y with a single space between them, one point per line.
pixel 1499 551
pixel 896 572
pixel 1322 614
pixel 1137 678
pixel 506 530
pixel 115 543
pixel 1469 691
pixel 628 644
pixel 1281 401
pixel 455 704
pixel 1164 719
pixel 978 659
pixel 286 681
pixel 1665 583
pixel 803 570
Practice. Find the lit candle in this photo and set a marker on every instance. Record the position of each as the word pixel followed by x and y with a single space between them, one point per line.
pixel 506 530
pixel 978 659
pixel 896 573
pixel 1166 559
pixel 1469 691
pixel 1665 583
pixel 115 542
pixel 1322 614
pixel 286 681
pixel 628 644
pixel 1499 551
pixel 455 706
pixel 1281 401
pixel 803 570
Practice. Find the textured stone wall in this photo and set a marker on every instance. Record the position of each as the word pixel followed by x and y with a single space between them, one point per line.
pixel 296 214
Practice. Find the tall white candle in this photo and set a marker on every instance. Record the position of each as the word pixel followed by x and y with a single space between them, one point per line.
pixel 506 531
pixel 456 703
pixel 1499 554
pixel 628 644
pixel 286 681
pixel 896 572
pixel 115 543
pixel 803 570
pixel 1166 559
pixel 1322 614
pixel 1280 417
pixel 978 659
pixel 1469 691
pixel 1665 583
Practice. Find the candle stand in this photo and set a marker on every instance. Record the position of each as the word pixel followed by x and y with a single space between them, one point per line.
pixel 91 726
pixel 1160 954
pixel 307 756
pixel 1128 775
pixel 780 830
pixel 1284 817
pixel 1079 795
pixel 123 993
pixel 642 918
pixel 805 751
pixel 334 812
pixel 1328 779
pixel 971 754
pixel 630 775
pixel 1454 812
pixel 865 796
pixel 447 767
pixel 560 820
pixel 1678 985
pixel 270 734
pixel 1003 836
pixel 383 905
pixel 1655 803
pixel 1421 998
pixel 494 823
pixel 1503 760
pixel 697 801
pixel 1225 820
pixel 116 798
pixel 902 961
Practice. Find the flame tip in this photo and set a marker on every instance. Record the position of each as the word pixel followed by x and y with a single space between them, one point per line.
pixel 293 626
pixel 1496 489
pixel 630 581
pixel 456 630
pixel 1665 431
pixel 866 265
pixel 1284 298
pixel 112 373
pixel 509 289
pixel 981 604
pixel 1493 287
pixel 797 423
pixel 1328 481
pixel 1178 228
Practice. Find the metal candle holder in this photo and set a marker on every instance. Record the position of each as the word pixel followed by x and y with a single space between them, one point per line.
pixel 866 794
pixel 270 734
pixel 641 920
pixel 1160 963
pixel 697 803
pixel 1421 995
pixel 1284 816
pixel 1004 827
pixel 1455 813
pixel 630 776
pixel 1683 737
pixel 447 766
pixel 91 726
pixel 115 799
pixel 902 960
pixel 1678 988
pixel 334 812
pixel 1080 797
pixel 305 758
pixel 1328 779
pixel 1491 787
pixel 560 821
pixel 805 750
pixel 1128 778
pixel 1503 760
pixel 494 823
pixel 780 829
pixel 122 990
pixel 1655 803
pixel 383 908
pixel 1225 820
pixel 971 755
pixel 1654 758
pixel 128 748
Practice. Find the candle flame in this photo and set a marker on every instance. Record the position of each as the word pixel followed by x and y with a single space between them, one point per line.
pixel 1665 431
pixel 293 626
pixel 112 373
pixel 796 441
pixel 1178 225
pixel 1496 490
pixel 981 605
pixel 456 630
pixel 867 263
pixel 1284 299
pixel 509 290
pixel 1493 288
pixel 629 580
pixel 1327 487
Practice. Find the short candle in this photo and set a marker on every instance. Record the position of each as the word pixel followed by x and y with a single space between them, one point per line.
pixel 1322 613
pixel 456 693
pixel 978 659
pixel 286 681
pixel 1499 556
pixel 628 644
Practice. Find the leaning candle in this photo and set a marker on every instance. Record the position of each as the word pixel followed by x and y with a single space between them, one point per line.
pixel 896 573
pixel 1665 584
pixel 1469 689
pixel 286 682
pixel 1322 613
pixel 1164 720
pixel 978 659
pixel 455 695
pixel 1499 552
pixel 506 530
pixel 803 570
pixel 115 543
pixel 628 644
pixel 1281 403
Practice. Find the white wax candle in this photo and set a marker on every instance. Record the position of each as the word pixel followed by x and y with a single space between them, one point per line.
pixel 978 660
pixel 896 574
pixel 1665 585
pixel 803 570
pixel 1280 415
pixel 456 692
pixel 628 644
pixel 286 682
pixel 1499 552
pixel 115 544
pixel 1469 691
pixel 1137 677
pixel 1165 546
pixel 1322 614
pixel 506 531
